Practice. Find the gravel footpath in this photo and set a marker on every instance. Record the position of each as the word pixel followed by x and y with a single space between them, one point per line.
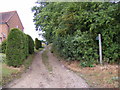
pixel 37 76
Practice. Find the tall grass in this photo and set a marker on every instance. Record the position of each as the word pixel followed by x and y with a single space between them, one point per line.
pixel 45 60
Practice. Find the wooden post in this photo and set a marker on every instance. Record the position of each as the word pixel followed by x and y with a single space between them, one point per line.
pixel 100 48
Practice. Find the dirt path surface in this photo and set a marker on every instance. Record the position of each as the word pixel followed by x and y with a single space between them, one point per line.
pixel 39 77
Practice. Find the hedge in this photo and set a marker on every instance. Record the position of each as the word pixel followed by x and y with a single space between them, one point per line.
pixel 31 44
pixel 74 28
pixel 26 44
pixel 3 46
pixel 38 43
pixel 16 48
pixel 0 48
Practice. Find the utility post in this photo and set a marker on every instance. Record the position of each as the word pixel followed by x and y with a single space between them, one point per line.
pixel 100 48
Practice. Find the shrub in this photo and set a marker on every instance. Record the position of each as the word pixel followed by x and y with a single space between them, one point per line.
pixel 79 47
pixel 31 44
pixel 73 30
pixel 0 48
pixel 26 46
pixel 3 46
pixel 16 49
pixel 38 44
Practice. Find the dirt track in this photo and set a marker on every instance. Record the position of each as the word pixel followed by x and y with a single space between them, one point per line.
pixel 39 77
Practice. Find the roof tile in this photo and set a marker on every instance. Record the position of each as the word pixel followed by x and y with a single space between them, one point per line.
pixel 5 16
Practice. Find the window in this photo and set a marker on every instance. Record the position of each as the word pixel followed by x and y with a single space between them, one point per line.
pixel 4 36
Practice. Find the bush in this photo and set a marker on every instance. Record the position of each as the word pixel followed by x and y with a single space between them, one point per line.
pixel 16 49
pixel 26 44
pixel 0 48
pixel 38 43
pixel 79 47
pixel 3 46
pixel 73 30
pixel 31 44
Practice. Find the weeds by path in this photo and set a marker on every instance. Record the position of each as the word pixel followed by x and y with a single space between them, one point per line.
pixel 28 61
pixel 46 61
pixel 11 73
pixel 97 77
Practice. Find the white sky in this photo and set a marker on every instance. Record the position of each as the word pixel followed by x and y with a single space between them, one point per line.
pixel 23 8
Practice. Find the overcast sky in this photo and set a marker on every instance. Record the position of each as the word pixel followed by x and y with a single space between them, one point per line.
pixel 23 8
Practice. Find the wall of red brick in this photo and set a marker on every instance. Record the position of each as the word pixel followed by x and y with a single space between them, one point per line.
pixel 3 29
pixel 13 22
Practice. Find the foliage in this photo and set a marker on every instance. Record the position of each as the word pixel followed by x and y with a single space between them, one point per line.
pixel 8 74
pixel 3 46
pixel 26 45
pixel 17 47
pixel 79 47
pixel 2 58
pixel 38 43
pixel 45 60
pixel 28 61
pixel 0 48
pixel 73 29
pixel 31 44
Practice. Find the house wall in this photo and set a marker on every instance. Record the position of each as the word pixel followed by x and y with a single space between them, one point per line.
pixel 14 22
pixel 3 30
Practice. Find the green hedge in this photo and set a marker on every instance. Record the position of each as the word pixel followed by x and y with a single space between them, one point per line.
pixel 31 44
pixel 38 43
pixel 3 46
pixel 78 47
pixel 17 47
pixel 26 44
pixel 74 28
pixel 0 48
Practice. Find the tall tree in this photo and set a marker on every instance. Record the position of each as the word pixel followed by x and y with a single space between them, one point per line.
pixel 80 23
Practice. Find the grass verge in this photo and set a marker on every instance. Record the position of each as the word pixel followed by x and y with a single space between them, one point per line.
pixel 27 63
pixel 40 49
pixel 10 73
pixel 46 61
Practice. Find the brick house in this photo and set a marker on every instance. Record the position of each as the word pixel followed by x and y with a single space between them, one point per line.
pixel 9 20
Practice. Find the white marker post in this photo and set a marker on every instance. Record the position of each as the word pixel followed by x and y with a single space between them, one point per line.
pixel 100 48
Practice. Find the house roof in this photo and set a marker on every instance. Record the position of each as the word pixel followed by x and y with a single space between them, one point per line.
pixel 5 16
